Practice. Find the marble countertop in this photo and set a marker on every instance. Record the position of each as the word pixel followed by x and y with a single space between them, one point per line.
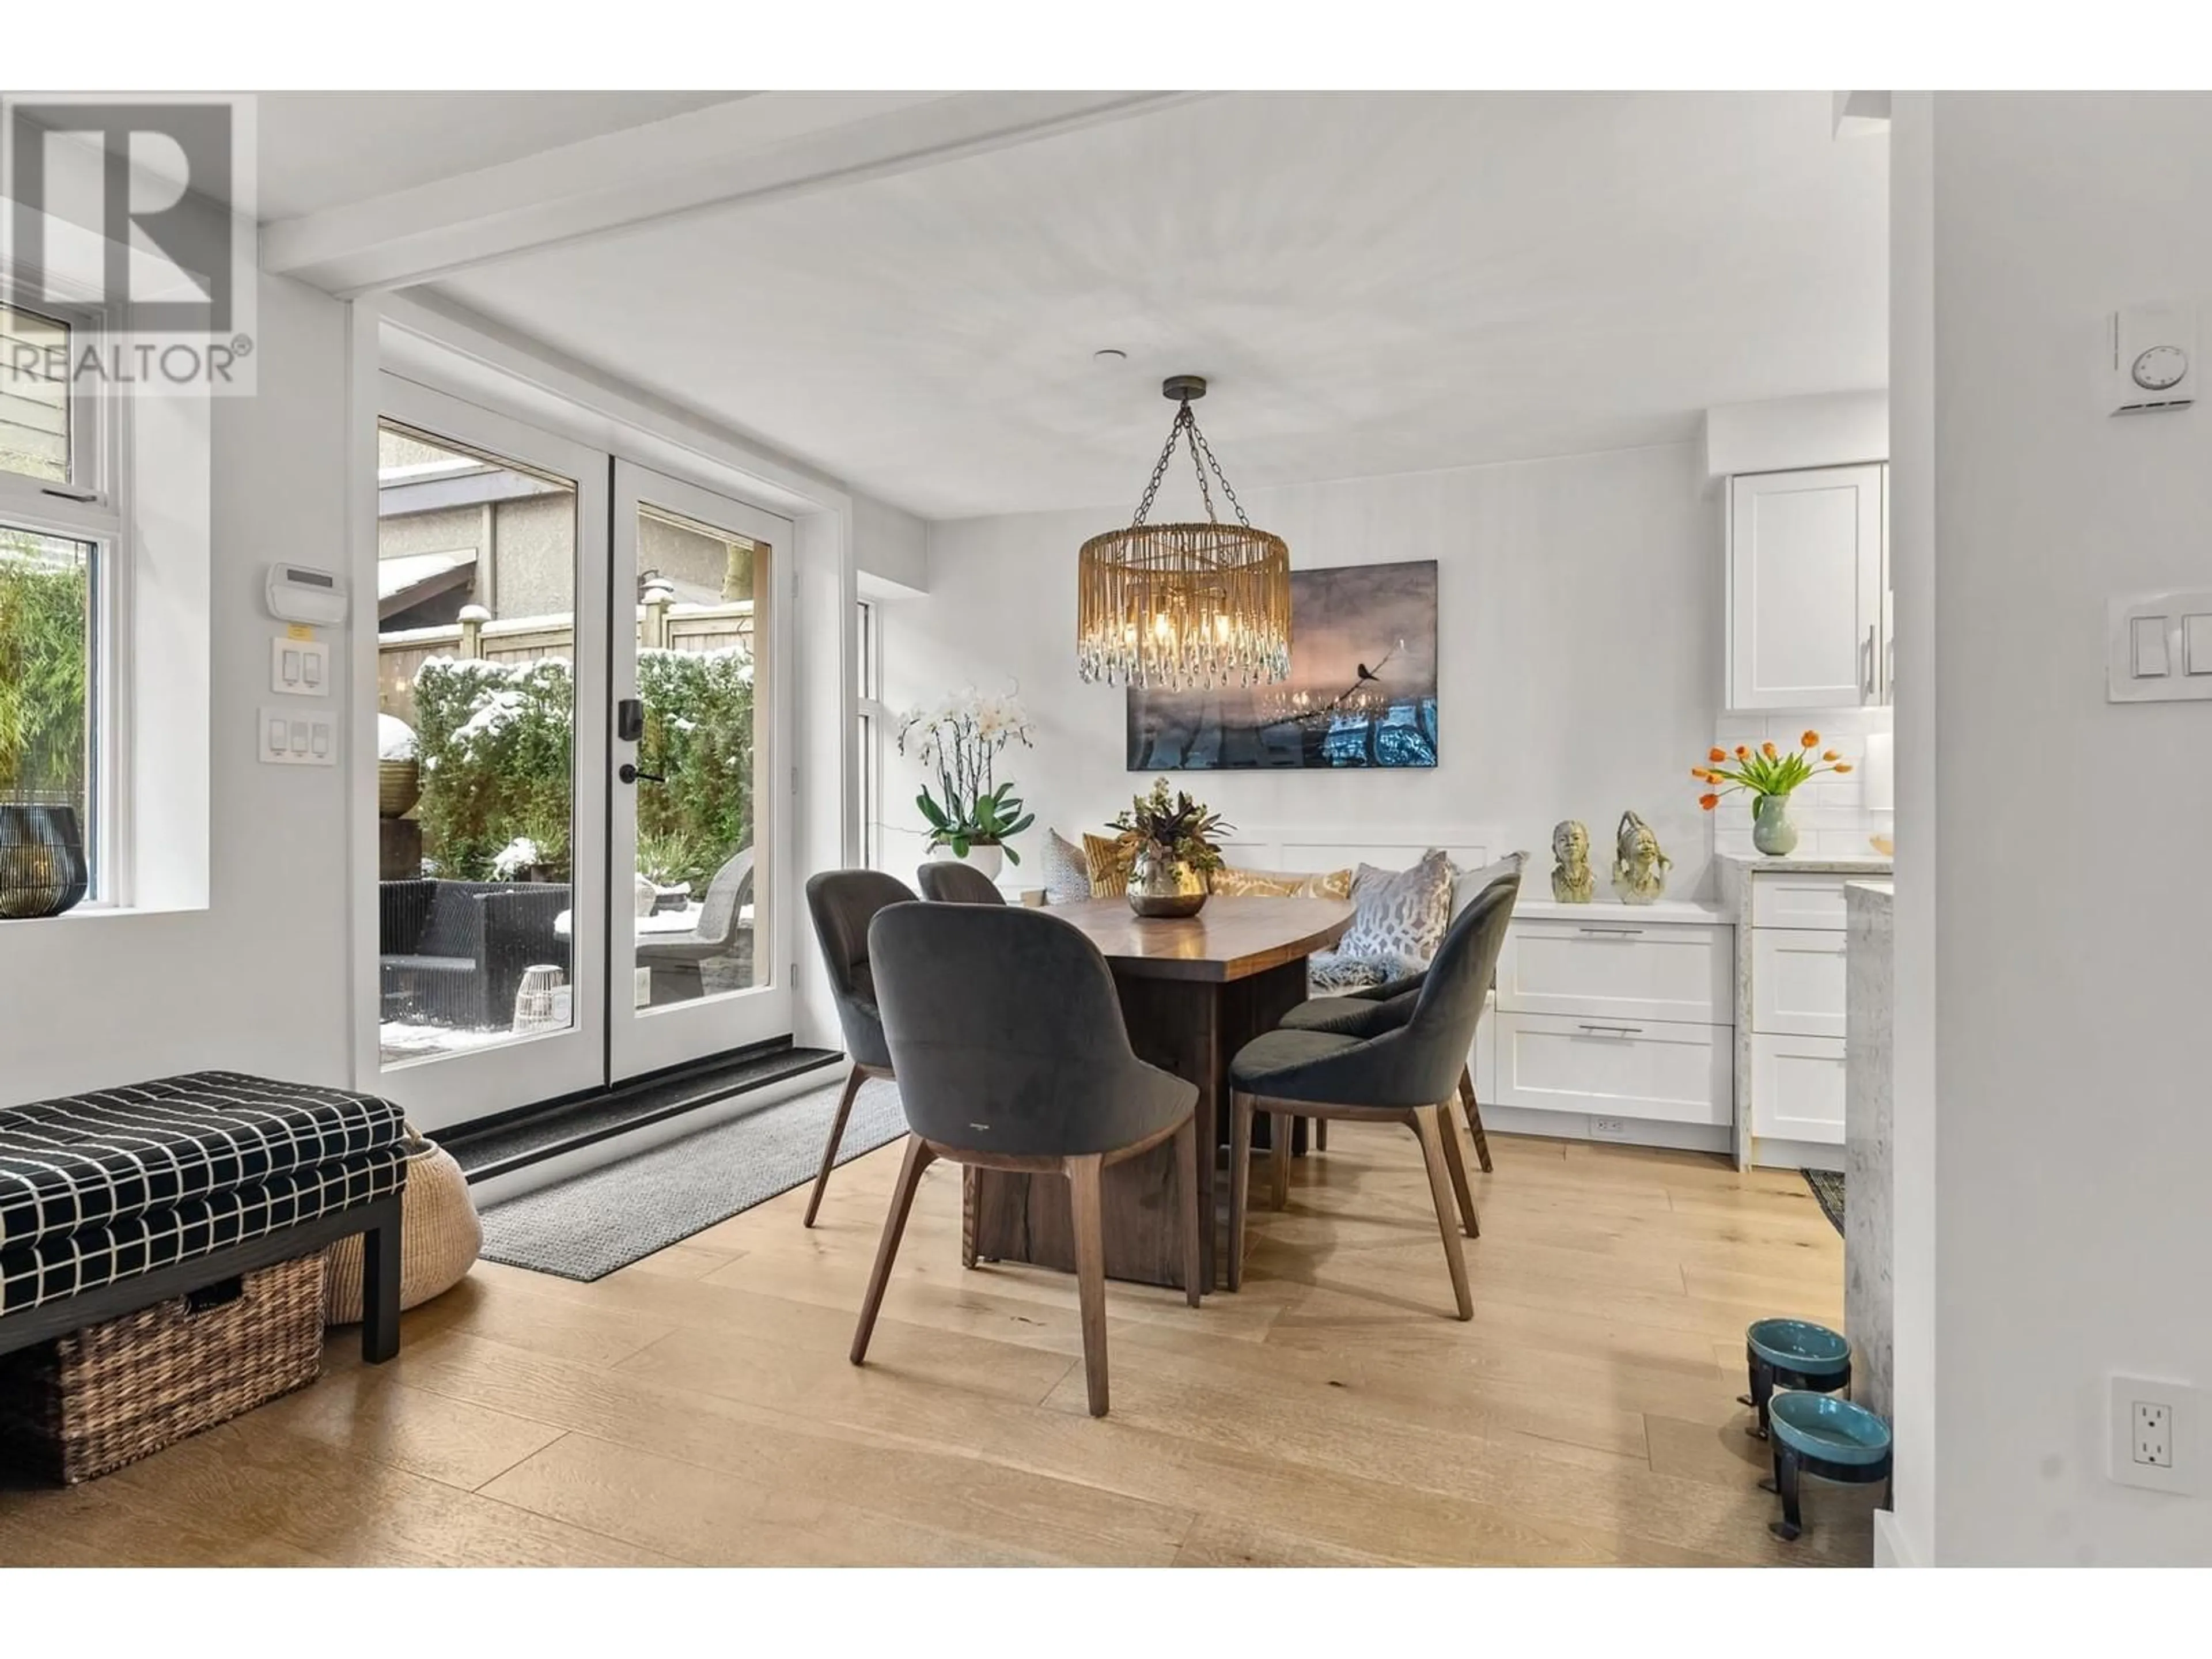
pixel 1873 895
pixel 1873 864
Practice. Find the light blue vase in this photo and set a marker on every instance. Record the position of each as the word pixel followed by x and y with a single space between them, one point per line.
pixel 1771 831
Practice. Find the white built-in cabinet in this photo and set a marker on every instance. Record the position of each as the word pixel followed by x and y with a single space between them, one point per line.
pixel 1609 1011
pixel 1808 589
pixel 1790 1080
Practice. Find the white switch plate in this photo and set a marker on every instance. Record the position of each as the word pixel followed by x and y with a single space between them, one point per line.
pixel 2148 642
pixel 300 668
pixel 296 736
pixel 2150 1418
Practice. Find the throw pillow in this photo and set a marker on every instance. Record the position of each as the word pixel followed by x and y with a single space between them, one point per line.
pixel 1066 872
pixel 1400 915
pixel 1466 883
pixel 1108 869
pixel 1337 971
pixel 1229 881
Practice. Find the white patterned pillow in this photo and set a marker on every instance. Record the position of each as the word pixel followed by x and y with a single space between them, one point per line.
pixel 1399 916
pixel 1066 872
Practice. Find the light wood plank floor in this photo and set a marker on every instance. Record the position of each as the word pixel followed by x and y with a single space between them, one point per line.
pixel 698 1407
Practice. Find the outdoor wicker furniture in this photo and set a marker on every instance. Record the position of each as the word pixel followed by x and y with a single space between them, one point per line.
pixel 453 952
pixel 675 958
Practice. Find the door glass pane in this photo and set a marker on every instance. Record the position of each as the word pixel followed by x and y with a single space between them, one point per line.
pixel 702 620
pixel 476 706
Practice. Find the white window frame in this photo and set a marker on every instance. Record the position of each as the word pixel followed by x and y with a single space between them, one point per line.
pixel 93 508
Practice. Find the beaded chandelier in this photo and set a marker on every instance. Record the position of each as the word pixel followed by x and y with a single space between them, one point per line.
pixel 1184 607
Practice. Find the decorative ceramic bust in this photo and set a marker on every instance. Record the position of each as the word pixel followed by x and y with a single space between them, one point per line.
pixel 1639 868
pixel 1571 880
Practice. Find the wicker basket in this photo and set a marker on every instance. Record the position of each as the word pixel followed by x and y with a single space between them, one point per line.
pixel 439 1236
pixel 107 1395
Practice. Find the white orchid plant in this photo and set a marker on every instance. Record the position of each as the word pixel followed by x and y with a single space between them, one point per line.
pixel 960 739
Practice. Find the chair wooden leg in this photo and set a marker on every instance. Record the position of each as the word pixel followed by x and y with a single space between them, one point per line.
pixel 1455 1165
pixel 1278 1160
pixel 1474 1109
pixel 967 1216
pixel 1240 1181
pixel 1426 1129
pixel 836 1134
pixel 917 1158
pixel 1087 1210
pixel 1186 1141
pixel 1321 1135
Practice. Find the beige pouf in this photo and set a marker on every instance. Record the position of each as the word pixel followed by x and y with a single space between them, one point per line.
pixel 439 1236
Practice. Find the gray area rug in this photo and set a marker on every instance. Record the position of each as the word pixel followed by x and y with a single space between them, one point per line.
pixel 1827 1186
pixel 587 1227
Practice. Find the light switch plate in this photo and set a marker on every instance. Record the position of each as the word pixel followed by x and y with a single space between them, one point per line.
pixel 2158 648
pixel 296 736
pixel 300 668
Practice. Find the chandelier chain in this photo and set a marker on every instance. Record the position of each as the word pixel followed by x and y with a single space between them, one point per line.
pixel 1186 430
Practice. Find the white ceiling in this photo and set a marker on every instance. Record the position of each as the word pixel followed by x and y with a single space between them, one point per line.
pixel 1374 283
pixel 318 149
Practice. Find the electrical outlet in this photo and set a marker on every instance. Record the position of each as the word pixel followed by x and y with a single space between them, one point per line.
pixel 2153 1434
pixel 2157 1433
pixel 1609 1129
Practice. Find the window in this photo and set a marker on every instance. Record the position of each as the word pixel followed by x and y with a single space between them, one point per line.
pixel 875 723
pixel 59 535
pixel 34 401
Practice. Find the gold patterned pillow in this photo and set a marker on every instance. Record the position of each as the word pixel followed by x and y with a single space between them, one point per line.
pixel 1229 881
pixel 1109 865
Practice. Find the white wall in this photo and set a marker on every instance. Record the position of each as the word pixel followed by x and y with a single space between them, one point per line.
pixel 1579 661
pixel 1780 434
pixel 2070 983
pixel 258 980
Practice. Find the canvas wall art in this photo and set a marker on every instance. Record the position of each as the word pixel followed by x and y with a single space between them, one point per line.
pixel 1362 691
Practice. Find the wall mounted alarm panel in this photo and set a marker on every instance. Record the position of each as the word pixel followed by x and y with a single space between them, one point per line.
pixel 300 593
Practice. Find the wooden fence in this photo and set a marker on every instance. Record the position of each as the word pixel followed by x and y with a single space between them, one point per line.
pixel 660 624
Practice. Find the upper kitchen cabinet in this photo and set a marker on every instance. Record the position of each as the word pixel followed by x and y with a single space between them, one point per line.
pixel 1808 584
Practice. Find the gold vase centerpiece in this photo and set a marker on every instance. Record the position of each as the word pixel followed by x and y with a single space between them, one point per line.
pixel 1169 842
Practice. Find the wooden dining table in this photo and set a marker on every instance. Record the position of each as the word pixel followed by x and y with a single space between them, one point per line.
pixel 1193 993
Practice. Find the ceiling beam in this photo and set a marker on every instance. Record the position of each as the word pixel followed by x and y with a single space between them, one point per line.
pixel 759 147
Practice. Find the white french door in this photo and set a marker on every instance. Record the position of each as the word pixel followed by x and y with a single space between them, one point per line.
pixel 699 743
pixel 491 639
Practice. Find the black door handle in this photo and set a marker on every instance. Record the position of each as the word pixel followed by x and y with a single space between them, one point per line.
pixel 629 720
pixel 629 774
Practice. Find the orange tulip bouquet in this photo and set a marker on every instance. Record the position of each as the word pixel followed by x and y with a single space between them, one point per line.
pixel 1768 775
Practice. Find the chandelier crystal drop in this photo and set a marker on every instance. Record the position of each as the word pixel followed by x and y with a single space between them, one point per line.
pixel 1184 607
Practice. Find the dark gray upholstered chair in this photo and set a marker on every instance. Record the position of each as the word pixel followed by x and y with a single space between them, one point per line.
pixel 1379 1008
pixel 1404 1075
pixel 948 881
pixel 842 903
pixel 1006 1035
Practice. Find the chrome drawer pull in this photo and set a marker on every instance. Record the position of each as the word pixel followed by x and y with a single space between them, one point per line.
pixel 1610 933
pixel 1611 1031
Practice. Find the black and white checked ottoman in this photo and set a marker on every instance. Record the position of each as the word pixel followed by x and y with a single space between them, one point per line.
pixel 115 1199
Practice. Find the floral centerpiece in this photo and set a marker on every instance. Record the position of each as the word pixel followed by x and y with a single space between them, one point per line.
pixel 1768 775
pixel 970 814
pixel 1169 843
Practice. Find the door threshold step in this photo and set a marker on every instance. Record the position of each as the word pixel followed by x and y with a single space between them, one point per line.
pixel 515 1140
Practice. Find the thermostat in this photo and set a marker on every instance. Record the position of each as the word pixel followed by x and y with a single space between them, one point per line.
pixel 2152 359
pixel 300 593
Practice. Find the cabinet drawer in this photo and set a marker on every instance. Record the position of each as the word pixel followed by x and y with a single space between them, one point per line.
pixel 1797 982
pixel 1797 1088
pixel 1780 901
pixel 1618 969
pixel 1621 1067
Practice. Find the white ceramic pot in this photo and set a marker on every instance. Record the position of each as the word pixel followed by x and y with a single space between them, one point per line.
pixel 990 860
